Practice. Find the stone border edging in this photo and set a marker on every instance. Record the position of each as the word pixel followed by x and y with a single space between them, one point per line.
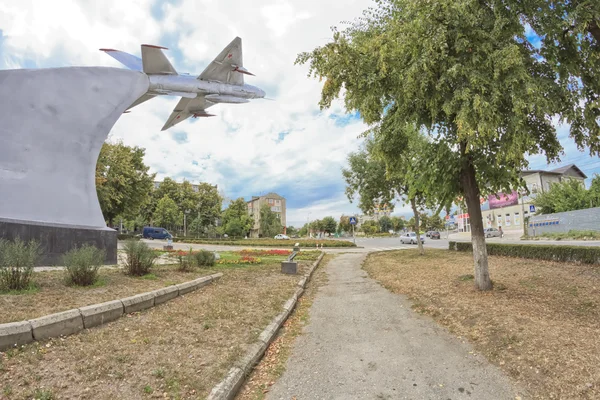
pixel 72 321
pixel 228 388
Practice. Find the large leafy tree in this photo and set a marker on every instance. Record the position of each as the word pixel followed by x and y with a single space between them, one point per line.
pixel 166 214
pixel 329 225
pixel 567 195
pixel 270 224
pixel 210 203
pixel 464 72
pixel 344 224
pixel 397 223
pixel 385 224
pixel 123 183
pixel 236 220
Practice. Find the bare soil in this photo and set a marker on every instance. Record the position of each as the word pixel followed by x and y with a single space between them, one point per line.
pixel 54 295
pixel 540 324
pixel 178 350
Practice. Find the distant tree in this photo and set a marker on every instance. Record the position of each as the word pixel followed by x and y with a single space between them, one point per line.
pixel 370 227
pixel 236 221
pixel 316 226
pixel 385 224
pixel 329 225
pixel 270 224
pixel 304 230
pixel 568 195
pixel 291 231
pixel 436 223
pixel 594 191
pixel 397 223
pixel 209 205
pixel 344 224
pixel 166 214
pixel 123 184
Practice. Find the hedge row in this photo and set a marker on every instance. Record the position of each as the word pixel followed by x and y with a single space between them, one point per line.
pixel 580 254
pixel 127 236
pixel 271 242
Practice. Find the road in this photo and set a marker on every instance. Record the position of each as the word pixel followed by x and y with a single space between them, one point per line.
pixel 367 245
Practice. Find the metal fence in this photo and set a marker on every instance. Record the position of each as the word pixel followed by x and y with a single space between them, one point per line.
pixel 580 220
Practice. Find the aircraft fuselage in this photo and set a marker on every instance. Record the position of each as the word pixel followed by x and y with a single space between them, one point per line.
pixel 215 92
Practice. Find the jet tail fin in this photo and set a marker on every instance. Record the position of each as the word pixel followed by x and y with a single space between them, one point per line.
pixel 155 62
pixel 128 60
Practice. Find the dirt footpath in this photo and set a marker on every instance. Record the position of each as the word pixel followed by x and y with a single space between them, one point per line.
pixel 364 342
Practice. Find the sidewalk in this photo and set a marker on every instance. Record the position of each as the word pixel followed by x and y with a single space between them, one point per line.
pixel 364 342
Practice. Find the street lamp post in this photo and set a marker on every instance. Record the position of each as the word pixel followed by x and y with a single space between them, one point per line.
pixel 185 213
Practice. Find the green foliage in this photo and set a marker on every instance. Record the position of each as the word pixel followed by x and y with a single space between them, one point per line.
pixel 123 184
pixel 369 227
pixel 572 234
pixel 567 195
pixel 270 224
pixel 236 220
pixel 385 224
pixel 83 264
pixel 328 225
pixel 397 223
pixel 209 205
pixel 166 213
pixel 290 231
pixel 139 258
pixel 344 224
pixel 187 261
pixel 205 258
pixel 17 260
pixel 578 254
pixel 127 236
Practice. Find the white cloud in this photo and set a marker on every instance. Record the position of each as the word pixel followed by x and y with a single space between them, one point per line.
pixel 240 149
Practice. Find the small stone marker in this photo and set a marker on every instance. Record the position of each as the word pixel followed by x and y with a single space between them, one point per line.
pixel 289 267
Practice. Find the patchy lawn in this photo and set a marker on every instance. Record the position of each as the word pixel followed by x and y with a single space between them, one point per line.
pixel 540 324
pixel 178 350
pixel 53 295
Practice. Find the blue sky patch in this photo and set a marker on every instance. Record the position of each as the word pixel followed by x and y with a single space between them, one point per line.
pixel 180 137
pixel 345 119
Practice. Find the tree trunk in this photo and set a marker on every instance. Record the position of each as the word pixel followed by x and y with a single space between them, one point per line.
pixel 594 29
pixel 413 204
pixel 472 194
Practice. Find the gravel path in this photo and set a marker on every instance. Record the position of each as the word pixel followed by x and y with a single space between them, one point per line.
pixel 364 342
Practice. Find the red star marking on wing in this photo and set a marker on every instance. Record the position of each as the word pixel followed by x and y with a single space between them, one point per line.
pixel 230 55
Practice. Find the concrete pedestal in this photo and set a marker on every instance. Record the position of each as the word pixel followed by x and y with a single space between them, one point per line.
pixel 53 124
pixel 289 267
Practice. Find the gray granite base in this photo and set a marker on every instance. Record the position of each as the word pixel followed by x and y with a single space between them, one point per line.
pixel 56 240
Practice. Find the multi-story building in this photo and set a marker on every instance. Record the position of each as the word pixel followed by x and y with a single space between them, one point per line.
pixel 380 210
pixel 508 210
pixel 274 201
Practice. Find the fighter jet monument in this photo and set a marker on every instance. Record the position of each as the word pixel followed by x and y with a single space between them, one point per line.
pixel 221 82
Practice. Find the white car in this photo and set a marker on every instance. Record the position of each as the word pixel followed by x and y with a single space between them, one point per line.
pixel 281 236
pixel 410 238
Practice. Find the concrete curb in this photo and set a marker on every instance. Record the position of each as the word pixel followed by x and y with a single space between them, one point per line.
pixel 228 388
pixel 72 321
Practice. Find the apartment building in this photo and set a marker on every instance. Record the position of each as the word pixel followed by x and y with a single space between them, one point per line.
pixel 274 201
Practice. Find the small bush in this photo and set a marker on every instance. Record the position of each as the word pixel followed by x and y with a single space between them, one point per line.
pixel 127 236
pixel 17 260
pixel 139 258
pixel 187 261
pixel 580 254
pixel 83 264
pixel 205 258
pixel 304 243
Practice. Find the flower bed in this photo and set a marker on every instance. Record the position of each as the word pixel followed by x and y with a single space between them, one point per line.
pixel 265 253
pixel 242 260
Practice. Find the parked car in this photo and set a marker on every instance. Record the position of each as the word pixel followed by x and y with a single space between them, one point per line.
pixel 428 233
pixel 153 232
pixel 434 235
pixel 281 236
pixel 492 232
pixel 410 238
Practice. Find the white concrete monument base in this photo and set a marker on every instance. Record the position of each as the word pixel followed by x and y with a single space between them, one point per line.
pixel 52 125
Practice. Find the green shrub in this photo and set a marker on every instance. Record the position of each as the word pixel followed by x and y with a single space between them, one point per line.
pixel 187 261
pixel 17 260
pixel 205 258
pixel 579 254
pixel 83 264
pixel 452 245
pixel 139 258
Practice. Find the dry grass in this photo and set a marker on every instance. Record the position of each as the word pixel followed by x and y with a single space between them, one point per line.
pixel 540 324
pixel 178 350
pixel 272 365
pixel 54 295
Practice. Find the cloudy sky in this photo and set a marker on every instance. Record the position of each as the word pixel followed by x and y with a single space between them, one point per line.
pixel 286 145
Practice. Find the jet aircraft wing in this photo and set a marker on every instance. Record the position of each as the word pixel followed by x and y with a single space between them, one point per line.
pixel 187 108
pixel 228 66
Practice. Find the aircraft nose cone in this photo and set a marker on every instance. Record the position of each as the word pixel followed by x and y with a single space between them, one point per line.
pixel 261 93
